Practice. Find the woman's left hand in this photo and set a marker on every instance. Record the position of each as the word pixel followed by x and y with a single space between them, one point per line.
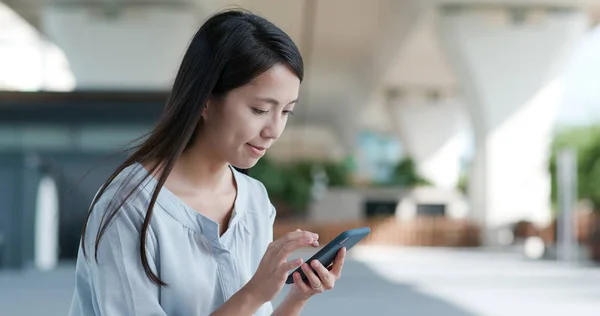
pixel 318 282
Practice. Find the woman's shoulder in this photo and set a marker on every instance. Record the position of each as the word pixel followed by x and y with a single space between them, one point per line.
pixel 130 184
pixel 119 212
pixel 128 191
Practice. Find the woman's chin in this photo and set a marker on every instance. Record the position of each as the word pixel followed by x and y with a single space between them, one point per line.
pixel 245 163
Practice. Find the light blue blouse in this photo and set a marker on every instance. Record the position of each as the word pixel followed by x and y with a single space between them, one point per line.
pixel 201 268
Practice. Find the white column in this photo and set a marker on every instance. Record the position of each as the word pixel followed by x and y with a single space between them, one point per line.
pixel 508 62
pixel 433 134
pixel 46 248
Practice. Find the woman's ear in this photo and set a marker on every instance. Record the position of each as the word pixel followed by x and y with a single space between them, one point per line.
pixel 205 109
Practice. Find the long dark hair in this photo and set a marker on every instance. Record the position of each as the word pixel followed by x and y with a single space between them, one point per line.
pixel 228 51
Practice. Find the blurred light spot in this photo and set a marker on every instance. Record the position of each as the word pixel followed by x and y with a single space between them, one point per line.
pixel 505 237
pixel 29 62
pixel 534 247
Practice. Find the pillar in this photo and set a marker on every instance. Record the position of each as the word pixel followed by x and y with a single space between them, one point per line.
pixel 508 60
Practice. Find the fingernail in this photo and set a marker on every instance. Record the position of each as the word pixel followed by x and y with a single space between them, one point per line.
pixel 316 243
pixel 315 263
pixel 316 236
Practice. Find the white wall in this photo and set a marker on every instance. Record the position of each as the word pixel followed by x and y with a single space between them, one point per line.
pixel 140 49
pixel 348 204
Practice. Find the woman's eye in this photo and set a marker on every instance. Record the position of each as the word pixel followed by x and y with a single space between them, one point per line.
pixel 288 112
pixel 259 112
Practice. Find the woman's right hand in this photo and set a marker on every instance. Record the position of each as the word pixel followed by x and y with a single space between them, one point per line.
pixel 273 269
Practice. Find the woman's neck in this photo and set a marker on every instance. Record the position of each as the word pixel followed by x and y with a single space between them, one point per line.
pixel 198 170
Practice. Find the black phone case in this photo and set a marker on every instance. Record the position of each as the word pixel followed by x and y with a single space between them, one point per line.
pixel 327 254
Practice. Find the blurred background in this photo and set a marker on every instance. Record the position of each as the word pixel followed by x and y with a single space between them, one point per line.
pixel 465 133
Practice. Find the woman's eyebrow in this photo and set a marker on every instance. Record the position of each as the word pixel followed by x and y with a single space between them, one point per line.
pixel 273 101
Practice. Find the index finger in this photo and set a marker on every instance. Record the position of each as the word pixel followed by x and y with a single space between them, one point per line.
pixel 294 242
pixel 294 235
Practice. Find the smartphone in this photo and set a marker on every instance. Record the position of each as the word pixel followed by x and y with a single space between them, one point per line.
pixel 327 254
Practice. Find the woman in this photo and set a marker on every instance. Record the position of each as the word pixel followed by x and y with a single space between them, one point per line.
pixel 176 229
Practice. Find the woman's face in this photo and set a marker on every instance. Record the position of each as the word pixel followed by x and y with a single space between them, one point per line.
pixel 240 127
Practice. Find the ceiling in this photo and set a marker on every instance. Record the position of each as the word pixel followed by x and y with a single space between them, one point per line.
pixel 352 48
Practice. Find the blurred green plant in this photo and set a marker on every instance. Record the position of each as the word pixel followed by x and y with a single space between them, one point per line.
pixel 290 185
pixel 586 143
pixel 405 174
